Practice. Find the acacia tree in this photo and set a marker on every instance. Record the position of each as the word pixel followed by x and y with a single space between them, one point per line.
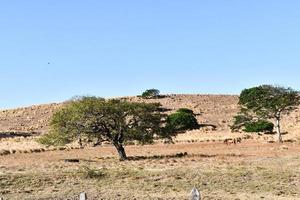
pixel 268 102
pixel 115 121
pixel 151 93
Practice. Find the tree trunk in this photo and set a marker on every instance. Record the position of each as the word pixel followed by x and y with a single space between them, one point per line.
pixel 121 152
pixel 80 142
pixel 278 128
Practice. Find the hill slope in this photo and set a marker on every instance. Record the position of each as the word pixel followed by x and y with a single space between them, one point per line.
pixel 211 109
pixel 217 110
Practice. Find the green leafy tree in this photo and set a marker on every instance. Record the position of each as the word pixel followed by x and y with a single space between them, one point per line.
pixel 151 93
pixel 268 102
pixel 115 121
pixel 183 119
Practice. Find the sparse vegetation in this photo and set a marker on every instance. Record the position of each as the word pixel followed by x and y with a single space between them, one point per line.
pixel 91 173
pixel 219 174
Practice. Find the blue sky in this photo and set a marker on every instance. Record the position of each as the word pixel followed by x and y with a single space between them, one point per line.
pixel 118 48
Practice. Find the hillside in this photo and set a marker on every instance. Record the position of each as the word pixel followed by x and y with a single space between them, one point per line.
pixel 211 109
pixel 29 119
pixel 216 110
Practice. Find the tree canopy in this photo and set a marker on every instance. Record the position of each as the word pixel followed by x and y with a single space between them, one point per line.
pixel 266 102
pixel 151 93
pixel 116 121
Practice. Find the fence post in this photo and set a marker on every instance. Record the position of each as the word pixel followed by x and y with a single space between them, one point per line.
pixel 195 194
pixel 82 196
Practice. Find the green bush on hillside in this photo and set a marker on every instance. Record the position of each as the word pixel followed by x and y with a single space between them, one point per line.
pixel 259 126
pixel 185 110
pixel 183 119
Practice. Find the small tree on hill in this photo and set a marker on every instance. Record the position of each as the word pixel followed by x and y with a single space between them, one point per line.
pixel 115 121
pixel 267 102
pixel 151 93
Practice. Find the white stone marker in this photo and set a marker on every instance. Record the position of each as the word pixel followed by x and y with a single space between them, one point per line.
pixel 195 195
pixel 82 196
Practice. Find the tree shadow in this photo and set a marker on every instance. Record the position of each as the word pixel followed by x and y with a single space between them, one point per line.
pixel 157 157
pixel 16 134
pixel 164 109
pixel 214 127
pixel 181 155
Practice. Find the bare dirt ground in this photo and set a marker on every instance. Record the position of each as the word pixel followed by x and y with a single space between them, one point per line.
pixel 251 170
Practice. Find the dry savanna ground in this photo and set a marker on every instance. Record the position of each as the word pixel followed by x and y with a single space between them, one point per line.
pixel 257 168
pixel 250 170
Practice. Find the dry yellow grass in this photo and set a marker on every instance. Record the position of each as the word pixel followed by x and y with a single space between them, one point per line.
pixel 249 170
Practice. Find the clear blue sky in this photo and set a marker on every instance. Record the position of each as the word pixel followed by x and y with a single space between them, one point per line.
pixel 117 47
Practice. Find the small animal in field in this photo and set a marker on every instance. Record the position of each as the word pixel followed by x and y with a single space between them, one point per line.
pixel 234 141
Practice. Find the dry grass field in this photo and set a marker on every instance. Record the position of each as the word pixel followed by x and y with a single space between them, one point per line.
pixel 253 169
pixel 250 170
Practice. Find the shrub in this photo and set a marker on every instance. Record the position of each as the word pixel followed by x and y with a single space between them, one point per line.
pixel 91 173
pixel 181 121
pixel 239 122
pixel 185 110
pixel 259 126
pixel 151 93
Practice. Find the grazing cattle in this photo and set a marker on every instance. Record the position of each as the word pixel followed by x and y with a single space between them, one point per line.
pixel 229 141
pixel 238 140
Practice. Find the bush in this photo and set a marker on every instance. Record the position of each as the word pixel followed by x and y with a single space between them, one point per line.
pixel 259 126
pixel 185 110
pixel 150 94
pixel 181 121
pixel 239 122
pixel 90 173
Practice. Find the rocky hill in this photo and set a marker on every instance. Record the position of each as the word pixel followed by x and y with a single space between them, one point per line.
pixel 216 110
